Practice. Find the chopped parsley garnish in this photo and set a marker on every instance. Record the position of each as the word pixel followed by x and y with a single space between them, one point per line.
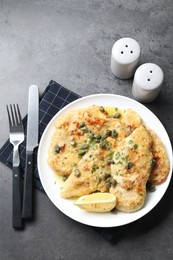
pixel 130 141
pixel 135 146
pixel 111 154
pixel 73 164
pixel 94 168
pixel 117 156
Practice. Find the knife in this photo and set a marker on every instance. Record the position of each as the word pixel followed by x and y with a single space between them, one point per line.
pixel 31 143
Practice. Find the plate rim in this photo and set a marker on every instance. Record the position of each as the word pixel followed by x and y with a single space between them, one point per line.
pixel 79 100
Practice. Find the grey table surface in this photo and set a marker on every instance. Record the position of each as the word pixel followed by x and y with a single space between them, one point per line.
pixel 70 42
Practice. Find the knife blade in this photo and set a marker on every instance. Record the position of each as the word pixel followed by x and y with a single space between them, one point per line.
pixel 31 143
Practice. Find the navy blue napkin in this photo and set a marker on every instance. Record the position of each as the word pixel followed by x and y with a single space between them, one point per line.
pixel 54 98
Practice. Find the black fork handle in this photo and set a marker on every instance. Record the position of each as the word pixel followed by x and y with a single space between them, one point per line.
pixel 17 198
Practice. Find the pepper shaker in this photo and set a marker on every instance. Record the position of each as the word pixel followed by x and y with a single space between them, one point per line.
pixel 147 82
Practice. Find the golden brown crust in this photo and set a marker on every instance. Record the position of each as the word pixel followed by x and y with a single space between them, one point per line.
pixel 91 177
pixel 129 141
pixel 132 169
pixel 67 129
pixel 161 166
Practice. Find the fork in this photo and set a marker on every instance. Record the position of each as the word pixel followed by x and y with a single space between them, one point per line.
pixel 16 138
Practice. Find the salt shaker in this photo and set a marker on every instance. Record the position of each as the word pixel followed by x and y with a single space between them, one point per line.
pixel 125 58
pixel 147 82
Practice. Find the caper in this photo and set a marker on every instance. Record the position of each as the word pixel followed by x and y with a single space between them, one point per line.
pixel 56 148
pixel 106 176
pixel 81 124
pixel 116 115
pixel 102 109
pixel 84 129
pixel 82 152
pixel 104 144
pixel 84 146
pixel 114 133
pixel 111 161
pixel 104 137
pixel 97 141
pixel 108 184
pixel 97 136
pixel 108 179
pixel 91 136
pixel 64 177
pixel 77 173
pixel 129 165
pixel 73 143
pixel 108 132
pixel 113 182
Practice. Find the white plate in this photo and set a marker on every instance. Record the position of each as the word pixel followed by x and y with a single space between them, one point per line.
pixel 52 186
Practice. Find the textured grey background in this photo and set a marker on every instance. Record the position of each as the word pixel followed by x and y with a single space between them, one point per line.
pixel 70 42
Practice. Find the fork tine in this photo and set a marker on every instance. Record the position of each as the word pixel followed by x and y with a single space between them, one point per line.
pixel 9 117
pixel 12 115
pixel 19 115
pixel 15 114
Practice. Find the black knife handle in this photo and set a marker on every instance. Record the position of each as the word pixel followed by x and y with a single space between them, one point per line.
pixel 28 187
pixel 17 199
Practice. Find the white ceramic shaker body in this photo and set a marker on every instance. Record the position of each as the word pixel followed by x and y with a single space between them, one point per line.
pixel 147 82
pixel 125 58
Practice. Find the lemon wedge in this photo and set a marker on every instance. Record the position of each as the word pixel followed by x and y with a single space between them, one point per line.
pixel 97 202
